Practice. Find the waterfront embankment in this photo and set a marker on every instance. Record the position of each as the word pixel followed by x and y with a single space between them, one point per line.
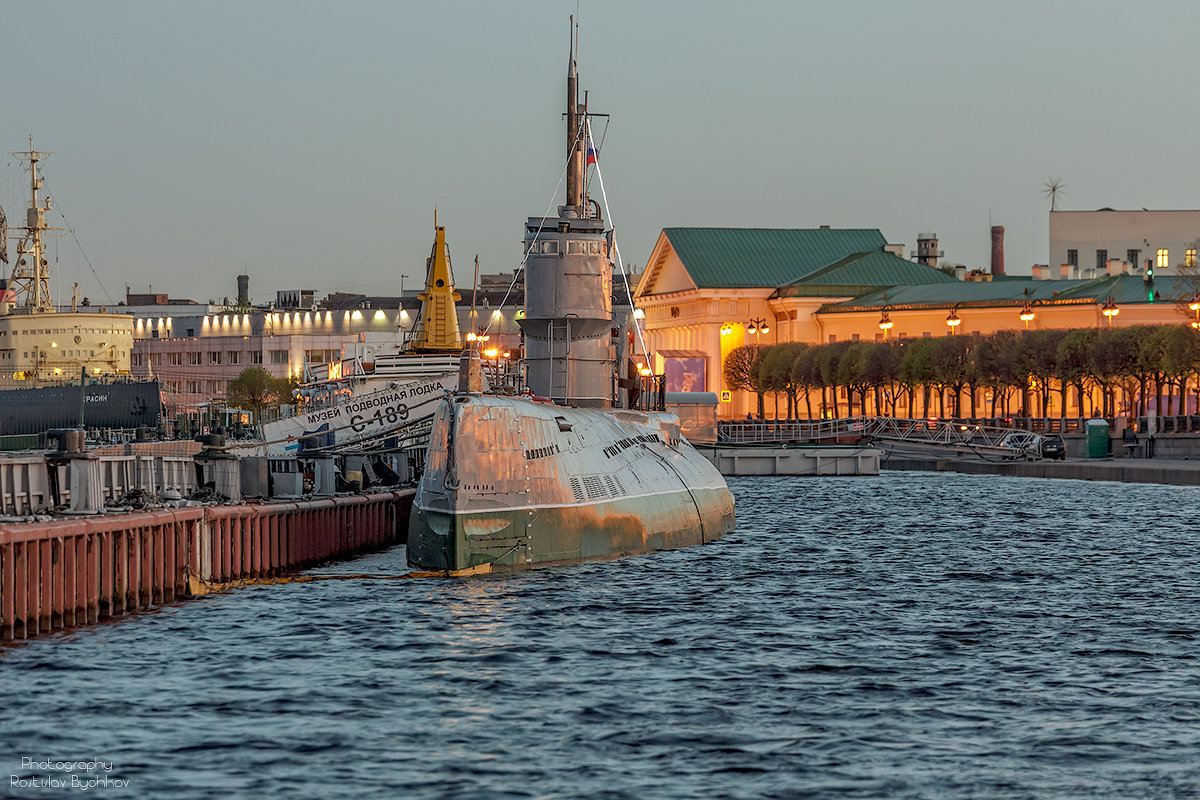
pixel 1178 472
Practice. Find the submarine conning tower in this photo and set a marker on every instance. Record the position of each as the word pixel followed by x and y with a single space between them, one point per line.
pixel 569 352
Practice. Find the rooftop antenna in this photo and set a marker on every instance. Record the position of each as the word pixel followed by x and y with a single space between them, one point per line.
pixel 1054 187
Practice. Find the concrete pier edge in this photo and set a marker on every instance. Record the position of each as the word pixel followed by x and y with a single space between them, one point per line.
pixel 1176 472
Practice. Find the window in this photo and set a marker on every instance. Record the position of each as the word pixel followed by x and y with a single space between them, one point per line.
pixel 854 337
pixel 1164 259
pixel 173 386
pixel 1073 258
pixel 194 359
pixel 256 357
pixel 216 387
pixel 233 357
pixel 1132 257
pixel 193 386
pixel 214 357
pixel 279 356
pixel 1101 259
pixel 175 359
pixel 926 335
pixel 1189 257
pixel 832 338
pixel 577 248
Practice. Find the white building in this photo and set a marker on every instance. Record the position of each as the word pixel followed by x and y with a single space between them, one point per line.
pixel 1089 244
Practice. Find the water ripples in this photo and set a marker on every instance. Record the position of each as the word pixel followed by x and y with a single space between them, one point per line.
pixel 912 635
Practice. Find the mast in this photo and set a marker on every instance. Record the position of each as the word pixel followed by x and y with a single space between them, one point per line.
pixel 576 141
pixel 29 282
pixel 569 352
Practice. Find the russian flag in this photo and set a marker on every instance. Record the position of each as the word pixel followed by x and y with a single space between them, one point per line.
pixel 591 159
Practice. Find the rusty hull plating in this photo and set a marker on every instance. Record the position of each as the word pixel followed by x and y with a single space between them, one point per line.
pixel 518 483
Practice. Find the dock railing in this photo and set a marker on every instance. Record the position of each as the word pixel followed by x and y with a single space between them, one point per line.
pixel 816 430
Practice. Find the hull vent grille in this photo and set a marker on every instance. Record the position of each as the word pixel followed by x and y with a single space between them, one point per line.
pixel 595 487
pixel 577 489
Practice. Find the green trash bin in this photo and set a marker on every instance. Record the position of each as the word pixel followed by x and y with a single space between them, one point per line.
pixel 1097 438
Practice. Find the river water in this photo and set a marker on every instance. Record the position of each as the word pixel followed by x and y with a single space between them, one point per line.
pixel 912 635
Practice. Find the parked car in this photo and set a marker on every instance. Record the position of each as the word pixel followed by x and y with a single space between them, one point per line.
pixel 1052 446
pixel 1023 445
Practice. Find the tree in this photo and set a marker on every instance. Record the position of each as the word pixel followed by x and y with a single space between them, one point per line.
pixel 997 366
pixel 1073 364
pixel 804 374
pixel 915 371
pixel 828 362
pixel 1181 359
pixel 255 389
pixel 776 369
pixel 880 371
pixel 851 373
pixel 741 370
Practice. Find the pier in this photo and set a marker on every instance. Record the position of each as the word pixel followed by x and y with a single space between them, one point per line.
pixel 69 572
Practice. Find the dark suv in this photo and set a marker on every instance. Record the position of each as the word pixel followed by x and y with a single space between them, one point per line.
pixel 1052 446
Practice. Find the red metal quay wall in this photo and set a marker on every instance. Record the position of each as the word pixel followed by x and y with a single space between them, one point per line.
pixel 60 574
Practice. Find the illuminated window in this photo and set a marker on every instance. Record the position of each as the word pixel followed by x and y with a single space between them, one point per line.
pixel 1163 259
pixel 1189 257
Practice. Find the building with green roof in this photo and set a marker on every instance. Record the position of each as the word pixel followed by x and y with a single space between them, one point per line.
pixel 705 291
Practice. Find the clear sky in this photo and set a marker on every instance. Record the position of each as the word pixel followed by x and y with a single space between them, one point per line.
pixel 308 142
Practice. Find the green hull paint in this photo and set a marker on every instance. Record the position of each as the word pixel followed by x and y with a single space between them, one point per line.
pixel 516 539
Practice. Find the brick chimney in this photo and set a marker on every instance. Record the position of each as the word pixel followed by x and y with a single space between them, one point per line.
pixel 997 250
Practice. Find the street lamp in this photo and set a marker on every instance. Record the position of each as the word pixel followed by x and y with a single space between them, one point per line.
pixel 758 326
pixel 1027 314
pixel 885 324
pixel 952 320
pixel 1109 309
pixel 1195 307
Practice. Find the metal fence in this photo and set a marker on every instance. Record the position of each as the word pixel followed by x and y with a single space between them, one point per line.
pixel 855 428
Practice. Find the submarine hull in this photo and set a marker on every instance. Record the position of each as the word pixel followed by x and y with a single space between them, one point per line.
pixel 514 483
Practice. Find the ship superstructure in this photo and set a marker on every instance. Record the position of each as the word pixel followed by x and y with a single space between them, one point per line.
pixel 40 345
pixel 568 472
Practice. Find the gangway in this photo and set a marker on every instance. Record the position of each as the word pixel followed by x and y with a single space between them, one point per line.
pixel 939 434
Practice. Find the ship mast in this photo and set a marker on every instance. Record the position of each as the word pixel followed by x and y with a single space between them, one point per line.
pixel 574 146
pixel 29 283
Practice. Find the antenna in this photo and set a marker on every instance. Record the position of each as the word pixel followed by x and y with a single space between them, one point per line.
pixel 1054 188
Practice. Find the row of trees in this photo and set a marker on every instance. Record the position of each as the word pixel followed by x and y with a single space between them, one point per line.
pixel 1023 370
